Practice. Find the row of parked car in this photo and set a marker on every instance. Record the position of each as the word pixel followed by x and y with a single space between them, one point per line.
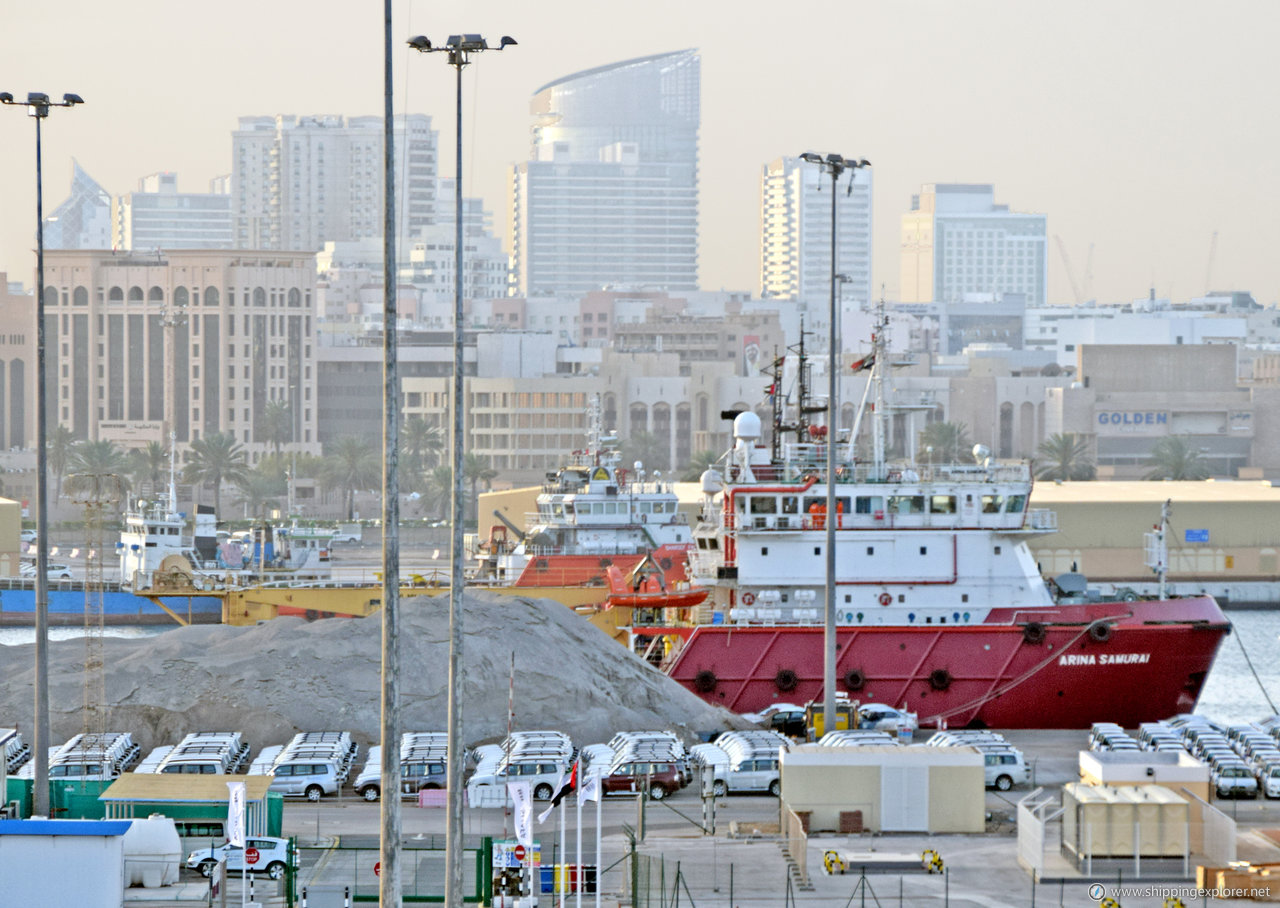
pixel 1243 760
pixel 89 757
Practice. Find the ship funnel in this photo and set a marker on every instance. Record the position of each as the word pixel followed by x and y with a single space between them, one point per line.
pixel 746 426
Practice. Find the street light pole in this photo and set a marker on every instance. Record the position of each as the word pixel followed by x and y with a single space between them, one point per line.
pixel 390 891
pixel 459 49
pixel 37 105
pixel 835 165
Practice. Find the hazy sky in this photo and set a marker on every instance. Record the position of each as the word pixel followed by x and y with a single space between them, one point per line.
pixel 1139 127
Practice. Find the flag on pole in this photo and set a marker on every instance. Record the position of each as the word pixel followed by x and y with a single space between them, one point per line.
pixel 564 785
pixel 235 813
pixel 523 803
pixel 590 788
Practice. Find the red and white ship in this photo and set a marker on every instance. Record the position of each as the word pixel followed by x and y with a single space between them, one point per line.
pixel 939 604
pixel 592 515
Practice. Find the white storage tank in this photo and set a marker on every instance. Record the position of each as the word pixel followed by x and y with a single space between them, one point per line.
pixel 152 853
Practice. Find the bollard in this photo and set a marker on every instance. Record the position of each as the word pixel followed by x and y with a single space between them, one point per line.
pixel 346 897
pixel 304 897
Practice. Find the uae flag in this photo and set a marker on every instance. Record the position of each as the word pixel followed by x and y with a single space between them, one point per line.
pixel 564 785
pixel 866 362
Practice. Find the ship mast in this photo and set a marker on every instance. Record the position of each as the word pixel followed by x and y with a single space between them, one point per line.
pixel 1157 550
pixel 880 377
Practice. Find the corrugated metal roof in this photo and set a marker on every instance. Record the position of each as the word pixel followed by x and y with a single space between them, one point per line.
pixel 65 827
pixel 182 787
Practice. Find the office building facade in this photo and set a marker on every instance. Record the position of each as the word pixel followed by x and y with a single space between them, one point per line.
pixel 157 216
pixel 957 242
pixel 194 342
pixel 299 182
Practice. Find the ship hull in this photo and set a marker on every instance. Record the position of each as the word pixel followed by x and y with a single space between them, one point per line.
pixel 67 607
pixel 1150 662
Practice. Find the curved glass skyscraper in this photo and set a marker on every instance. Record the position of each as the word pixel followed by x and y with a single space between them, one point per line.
pixel 610 193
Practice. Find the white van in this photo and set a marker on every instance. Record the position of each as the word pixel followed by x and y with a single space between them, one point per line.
pixel 1005 769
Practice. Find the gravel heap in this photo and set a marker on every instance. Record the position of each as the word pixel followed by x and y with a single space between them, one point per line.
pixel 284 676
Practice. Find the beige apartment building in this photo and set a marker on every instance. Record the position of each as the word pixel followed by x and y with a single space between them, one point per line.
pixel 189 342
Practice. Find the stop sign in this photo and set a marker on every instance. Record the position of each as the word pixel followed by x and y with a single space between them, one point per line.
pixel 251 856
pixel 377 868
pixel 518 851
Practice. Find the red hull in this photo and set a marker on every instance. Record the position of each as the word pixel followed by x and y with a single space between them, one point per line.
pixel 1152 666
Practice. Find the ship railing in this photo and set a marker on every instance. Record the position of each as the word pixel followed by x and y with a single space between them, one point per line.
pixel 802 459
pixel 1042 519
pixel 882 519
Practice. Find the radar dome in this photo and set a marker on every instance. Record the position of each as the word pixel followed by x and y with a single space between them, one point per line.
pixel 981 453
pixel 712 482
pixel 746 426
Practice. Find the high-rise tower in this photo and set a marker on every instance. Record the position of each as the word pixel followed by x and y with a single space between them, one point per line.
pixel 795 232
pixel 610 194
pixel 956 240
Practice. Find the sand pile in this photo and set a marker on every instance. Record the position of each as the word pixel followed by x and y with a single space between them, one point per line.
pixel 288 675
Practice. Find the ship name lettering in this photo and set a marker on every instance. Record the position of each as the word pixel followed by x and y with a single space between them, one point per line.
pixel 1105 659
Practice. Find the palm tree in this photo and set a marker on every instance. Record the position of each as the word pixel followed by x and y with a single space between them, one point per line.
pixel 60 441
pixel 646 448
pixel 949 440
pixel 352 463
pixel 437 489
pixel 701 462
pixel 1064 456
pixel 277 424
pixel 262 491
pixel 1173 458
pixel 475 470
pixel 96 466
pixel 422 441
pixel 147 465
pixel 216 459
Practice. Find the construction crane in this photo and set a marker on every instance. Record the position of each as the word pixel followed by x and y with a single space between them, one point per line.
pixel 96 492
pixel 1071 272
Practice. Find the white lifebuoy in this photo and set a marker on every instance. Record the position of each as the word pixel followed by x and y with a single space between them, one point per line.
pixel 885 598
pixel 748 598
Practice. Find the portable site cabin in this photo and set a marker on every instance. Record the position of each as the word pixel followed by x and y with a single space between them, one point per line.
pixel 891 788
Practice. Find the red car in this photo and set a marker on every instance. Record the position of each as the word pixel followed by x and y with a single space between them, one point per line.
pixel 659 779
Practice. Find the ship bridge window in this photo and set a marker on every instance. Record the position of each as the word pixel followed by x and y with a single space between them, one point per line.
pixel 991 503
pixel 1016 504
pixel 842 504
pixel 906 504
pixel 790 504
pixel 868 504
pixel 942 504
pixel 761 504
pixel 663 507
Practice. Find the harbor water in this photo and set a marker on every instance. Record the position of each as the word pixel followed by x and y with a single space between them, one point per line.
pixel 1245 674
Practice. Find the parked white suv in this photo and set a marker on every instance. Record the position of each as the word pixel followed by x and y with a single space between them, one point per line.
pixel 272 857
